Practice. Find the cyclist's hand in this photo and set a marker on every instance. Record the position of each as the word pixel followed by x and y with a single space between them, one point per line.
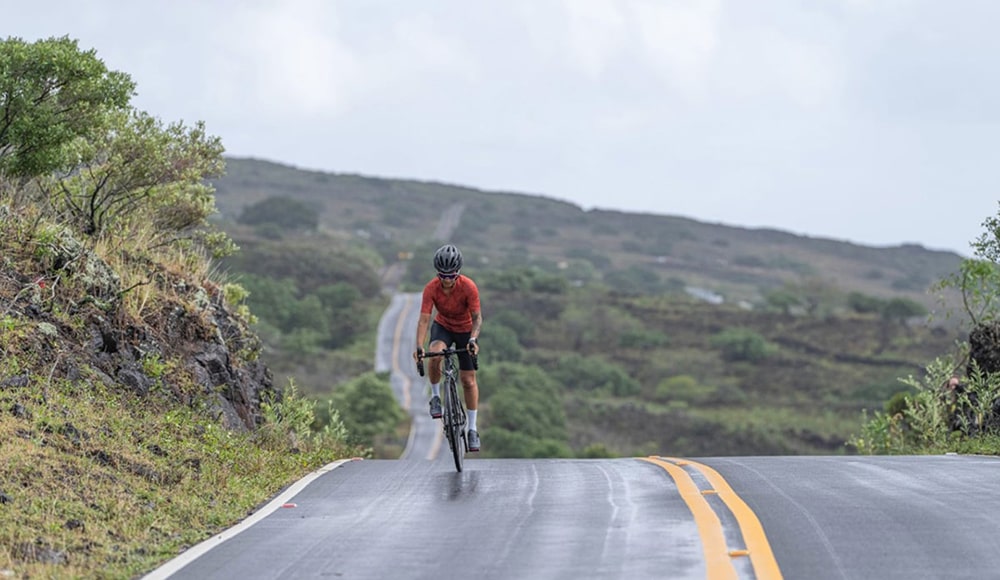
pixel 419 357
pixel 473 346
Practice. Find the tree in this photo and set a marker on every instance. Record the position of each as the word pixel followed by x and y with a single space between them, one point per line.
pixel 978 279
pixel 501 345
pixel 139 171
pixel 52 94
pixel 525 413
pixel 368 408
pixel 586 326
pixel 865 304
pixel 783 300
pixel 591 373
pixel 68 128
pixel 311 267
pixel 742 344
pixel 633 281
pixel 900 309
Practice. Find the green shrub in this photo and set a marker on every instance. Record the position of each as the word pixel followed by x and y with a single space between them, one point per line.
pixel 596 451
pixel 511 443
pixel 643 338
pixel 684 388
pixel 500 344
pixel 368 408
pixel 742 344
pixel 283 212
pixel 580 373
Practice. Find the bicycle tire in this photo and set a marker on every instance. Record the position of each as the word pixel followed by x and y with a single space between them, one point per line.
pixel 456 426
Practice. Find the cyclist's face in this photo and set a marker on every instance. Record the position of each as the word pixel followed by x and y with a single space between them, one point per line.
pixel 448 280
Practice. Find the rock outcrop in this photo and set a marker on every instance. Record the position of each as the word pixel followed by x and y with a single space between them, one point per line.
pixel 72 320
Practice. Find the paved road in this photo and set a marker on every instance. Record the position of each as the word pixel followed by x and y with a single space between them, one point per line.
pixel 752 517
pixel 875 517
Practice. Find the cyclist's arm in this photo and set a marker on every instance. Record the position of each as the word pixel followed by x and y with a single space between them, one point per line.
pixel 477 323
pixel 475 310
pixel 423 323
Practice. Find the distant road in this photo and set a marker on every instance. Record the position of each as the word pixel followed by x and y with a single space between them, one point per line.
pixel 394 354
pixel 449 220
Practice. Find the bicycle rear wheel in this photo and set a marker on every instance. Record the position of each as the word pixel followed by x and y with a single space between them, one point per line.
pixel 455 425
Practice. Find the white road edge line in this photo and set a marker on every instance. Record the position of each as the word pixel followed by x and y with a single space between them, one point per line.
pixel 189 555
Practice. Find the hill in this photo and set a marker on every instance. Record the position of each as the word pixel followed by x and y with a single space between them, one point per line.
pixel 658 333
pixel 502 229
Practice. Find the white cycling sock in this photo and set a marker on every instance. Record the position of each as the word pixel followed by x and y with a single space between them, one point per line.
pixel 435 390
pixel 472 420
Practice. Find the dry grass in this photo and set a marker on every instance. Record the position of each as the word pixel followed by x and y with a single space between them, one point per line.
pixel 95 480
pixel 98 483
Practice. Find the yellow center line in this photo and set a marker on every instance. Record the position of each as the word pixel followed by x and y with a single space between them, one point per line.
pixel 765 566
pixel 717 560
pixel 407 397
pixel 396 341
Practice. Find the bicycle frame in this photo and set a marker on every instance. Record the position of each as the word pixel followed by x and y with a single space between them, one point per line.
pixel 453 417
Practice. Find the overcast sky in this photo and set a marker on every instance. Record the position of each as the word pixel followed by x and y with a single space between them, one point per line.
pixel 870 121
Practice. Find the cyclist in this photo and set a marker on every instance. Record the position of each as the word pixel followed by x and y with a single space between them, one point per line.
pixel 458 320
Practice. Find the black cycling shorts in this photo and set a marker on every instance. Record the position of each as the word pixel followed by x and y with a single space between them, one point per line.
pixel 459 339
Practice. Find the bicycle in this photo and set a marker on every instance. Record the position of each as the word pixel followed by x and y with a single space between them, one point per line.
pixel 453 417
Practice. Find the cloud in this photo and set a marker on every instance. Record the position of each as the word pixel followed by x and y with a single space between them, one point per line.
pixel 279 62
pixel 680 40
pixel 675 38
pixel 595 34
pixel 795 63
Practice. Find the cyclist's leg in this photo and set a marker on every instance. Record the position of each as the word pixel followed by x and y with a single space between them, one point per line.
pixel 439 340
pixel 467 372
pixel 471 388
pixel 467 375
pixel 436 363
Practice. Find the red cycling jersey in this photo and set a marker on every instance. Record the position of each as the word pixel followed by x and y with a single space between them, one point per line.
pixel 454 309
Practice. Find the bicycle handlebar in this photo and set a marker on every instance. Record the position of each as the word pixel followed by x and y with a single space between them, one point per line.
pixel 446 352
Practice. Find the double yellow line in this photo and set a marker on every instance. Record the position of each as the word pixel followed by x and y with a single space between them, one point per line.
pixel 718 555
pixel 397 341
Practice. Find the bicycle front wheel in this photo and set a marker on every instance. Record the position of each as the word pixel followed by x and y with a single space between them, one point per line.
pixel 455 427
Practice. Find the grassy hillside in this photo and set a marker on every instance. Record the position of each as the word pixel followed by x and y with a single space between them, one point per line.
pixel 613 294
pixel 135 417
pixel 503 229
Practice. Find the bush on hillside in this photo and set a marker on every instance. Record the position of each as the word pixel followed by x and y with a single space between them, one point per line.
pixel 594 374
pixel 367 407
pixel 283 212
pixel 742 345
